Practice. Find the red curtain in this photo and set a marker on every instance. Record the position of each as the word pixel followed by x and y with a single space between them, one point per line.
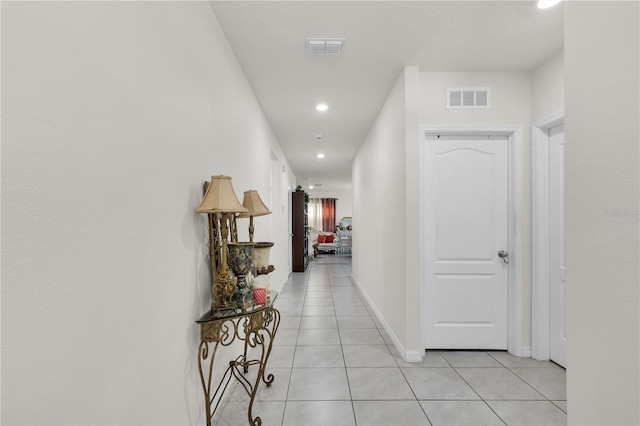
pixel 329 214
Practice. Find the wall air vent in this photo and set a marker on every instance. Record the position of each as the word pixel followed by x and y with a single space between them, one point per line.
pixel 324 46
pixel 468 97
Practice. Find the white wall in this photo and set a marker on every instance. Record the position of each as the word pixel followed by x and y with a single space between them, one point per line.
pixel 412 260
pixel 114 113
pixel 385 216
pixel 602 132
pixel 510 98
pixel 378 212
pixel 344 206
pixel 547 88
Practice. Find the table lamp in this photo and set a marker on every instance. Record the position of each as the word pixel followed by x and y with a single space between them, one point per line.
pixel 219 203
pixel 255 207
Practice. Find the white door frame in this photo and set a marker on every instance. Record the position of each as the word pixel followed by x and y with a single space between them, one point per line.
pixel 540 234
pixel 516 272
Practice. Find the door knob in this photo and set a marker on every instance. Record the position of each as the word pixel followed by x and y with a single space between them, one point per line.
pixel 504 256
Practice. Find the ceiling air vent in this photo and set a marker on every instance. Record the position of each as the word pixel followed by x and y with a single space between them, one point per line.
pixel 324 46
pixel 468 97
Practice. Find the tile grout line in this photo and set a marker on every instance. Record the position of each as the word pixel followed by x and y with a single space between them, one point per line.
pixel 509 370
pixel 476 392
pixel 284 410
pixel 344 360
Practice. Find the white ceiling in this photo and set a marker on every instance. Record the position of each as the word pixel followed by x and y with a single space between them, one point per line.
pixel 381 38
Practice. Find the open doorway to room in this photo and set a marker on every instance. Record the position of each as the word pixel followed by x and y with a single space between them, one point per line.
pixel 327 234
pixel 549 338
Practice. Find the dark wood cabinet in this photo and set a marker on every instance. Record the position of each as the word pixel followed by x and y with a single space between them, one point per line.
pixel 299 229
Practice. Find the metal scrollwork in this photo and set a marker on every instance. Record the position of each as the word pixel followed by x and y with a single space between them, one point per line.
pixel 257 330
pixel 271 323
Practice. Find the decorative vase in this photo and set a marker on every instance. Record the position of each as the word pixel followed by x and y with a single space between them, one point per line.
pixel 261 256
pixel 240 260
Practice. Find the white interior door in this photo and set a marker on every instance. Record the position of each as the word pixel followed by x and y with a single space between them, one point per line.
pixel 466 222
pixel 557 278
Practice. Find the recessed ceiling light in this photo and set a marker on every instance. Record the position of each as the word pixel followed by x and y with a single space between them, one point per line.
pixel 322 107
pixel 545 4
pixel 310 186
pixel 321 155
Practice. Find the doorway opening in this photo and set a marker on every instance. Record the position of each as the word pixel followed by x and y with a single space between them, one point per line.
pixel 547 285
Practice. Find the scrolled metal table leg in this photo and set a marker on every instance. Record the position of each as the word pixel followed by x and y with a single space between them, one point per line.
pixel 257 421
pixel 203 355
pixel 274 318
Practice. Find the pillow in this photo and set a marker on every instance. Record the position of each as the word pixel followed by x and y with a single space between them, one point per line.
pixel 321 239
pixel 328 239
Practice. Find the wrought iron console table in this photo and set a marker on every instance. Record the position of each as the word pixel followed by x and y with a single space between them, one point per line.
pixel 257 328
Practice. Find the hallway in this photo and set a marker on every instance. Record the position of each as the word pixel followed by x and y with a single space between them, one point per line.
pixel 335 365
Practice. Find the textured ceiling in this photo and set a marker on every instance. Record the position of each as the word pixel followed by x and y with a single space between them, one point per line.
pixel 381 38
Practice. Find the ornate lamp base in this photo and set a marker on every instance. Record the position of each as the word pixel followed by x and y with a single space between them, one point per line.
pixel 243 296
pixel 223 293
pixel 240 260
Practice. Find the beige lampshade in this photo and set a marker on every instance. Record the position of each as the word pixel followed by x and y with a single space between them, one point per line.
pixel 220 197
pixel 253 203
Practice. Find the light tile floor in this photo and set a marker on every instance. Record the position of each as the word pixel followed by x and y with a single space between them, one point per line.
pixel 335 365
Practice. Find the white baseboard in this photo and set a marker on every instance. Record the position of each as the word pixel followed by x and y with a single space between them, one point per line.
pixel 408 356
pixel 521 351
pixel 413 356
